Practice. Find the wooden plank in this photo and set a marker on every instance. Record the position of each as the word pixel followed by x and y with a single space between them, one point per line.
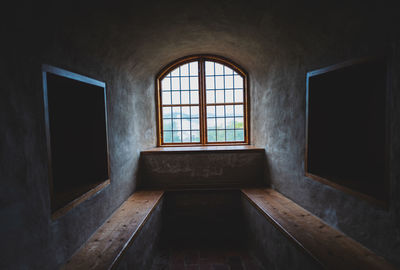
pixel 331 248
pixel 107 244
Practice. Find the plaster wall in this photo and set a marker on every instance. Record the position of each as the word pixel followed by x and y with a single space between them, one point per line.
pixel 322 36
pixel 274 249
pixel 125 44
pixel 64 35
pixel 229 169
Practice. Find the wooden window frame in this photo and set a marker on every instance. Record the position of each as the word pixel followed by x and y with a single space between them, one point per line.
pixel 202 99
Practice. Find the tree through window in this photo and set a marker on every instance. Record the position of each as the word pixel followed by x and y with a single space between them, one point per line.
pixel 202 100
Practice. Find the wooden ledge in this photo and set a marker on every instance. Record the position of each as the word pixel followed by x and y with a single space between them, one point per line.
pixel 331 248
pixel 202 149
pixel 106 246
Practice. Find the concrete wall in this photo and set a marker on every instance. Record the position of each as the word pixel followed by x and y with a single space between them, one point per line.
pixel 141 252
pixel 274 249
pixel 324 34
pixel 71 36
pixel 125 44
pixel 211 169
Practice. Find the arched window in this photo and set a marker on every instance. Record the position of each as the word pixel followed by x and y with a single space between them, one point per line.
pixel 202 100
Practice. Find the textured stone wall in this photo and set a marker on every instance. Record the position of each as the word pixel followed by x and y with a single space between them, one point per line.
pixel 125 44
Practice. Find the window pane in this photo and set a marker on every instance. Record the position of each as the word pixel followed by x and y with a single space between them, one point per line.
pixel 220 111
pixel 185 124
pixel 210 96
pixel 220 123
pixel 185 97
pixel 220 135
pixel 219 82
pixel 210 111
pixel 239 95
pixel 229 110
pixel 175 84
pixel 167 124
pixel 228 82
pixel 194 97
pixel 176 97
pixel 209 68
pixel 185 83
pixel 219 70
pixel 177 136
pixel 167 112
pixel 210 83
pixel 219 96
pixel 239 135
pixel 195 124
pixel 228 96
pixel 185 112
pixel 185 136
pixel 194 83
pixel 238 110
pixel 238 81
pixel 166 98
pixel 176 124
pixel 195 136
pixel 181 87
pixel 228 71
pixel 185 70
pixel 212 135
pixel 175 72
pixel 211 123
pixel 176 112
pixel 167 136
pixel 166 84
pixel 230 123
pixel 195 111
pixel 230 135
pixel 194 66
pixel 238 122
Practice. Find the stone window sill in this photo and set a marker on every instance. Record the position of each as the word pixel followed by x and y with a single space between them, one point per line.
pixel 190 149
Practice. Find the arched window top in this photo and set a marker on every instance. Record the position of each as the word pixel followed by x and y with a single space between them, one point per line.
pixel 202 100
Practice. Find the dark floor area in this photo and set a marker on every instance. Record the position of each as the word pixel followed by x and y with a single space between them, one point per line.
pixel 210 255
pixel 203 230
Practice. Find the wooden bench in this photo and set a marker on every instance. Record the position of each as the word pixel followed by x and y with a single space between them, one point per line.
pixel 107 245
pixel 329 247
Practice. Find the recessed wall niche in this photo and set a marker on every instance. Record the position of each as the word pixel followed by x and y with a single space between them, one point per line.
pixel 346 144
pixel 76 131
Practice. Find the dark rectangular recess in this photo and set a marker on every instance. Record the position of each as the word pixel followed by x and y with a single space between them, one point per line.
pixel 76 129
pixel 346 140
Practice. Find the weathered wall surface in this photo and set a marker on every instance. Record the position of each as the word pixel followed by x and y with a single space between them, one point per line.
pixel 125 44
pixel 69 36
pixel 270 245
pixel 211 169
pixel 325 34
pixel 140 254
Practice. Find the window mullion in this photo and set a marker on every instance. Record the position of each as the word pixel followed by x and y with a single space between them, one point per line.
pixel 202 94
